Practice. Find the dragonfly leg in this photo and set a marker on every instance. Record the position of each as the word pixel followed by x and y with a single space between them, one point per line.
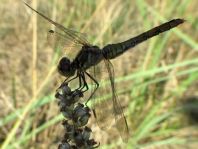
pixel 80 82
pixel 62 84
pixel 80 77
pixel 85 83
pixel 96 83
pixel 72 78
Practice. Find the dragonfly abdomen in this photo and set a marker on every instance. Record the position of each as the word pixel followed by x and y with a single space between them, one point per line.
pixel 113 50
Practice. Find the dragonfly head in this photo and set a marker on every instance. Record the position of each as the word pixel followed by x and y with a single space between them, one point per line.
pixel 64 67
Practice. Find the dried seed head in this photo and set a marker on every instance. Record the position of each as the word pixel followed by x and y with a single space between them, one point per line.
pixel 76 135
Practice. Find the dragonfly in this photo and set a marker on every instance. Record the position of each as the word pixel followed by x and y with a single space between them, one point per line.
pixel 91 55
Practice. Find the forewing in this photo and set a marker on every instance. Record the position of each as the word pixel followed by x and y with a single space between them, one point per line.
pixel 58 41
pixel 72 35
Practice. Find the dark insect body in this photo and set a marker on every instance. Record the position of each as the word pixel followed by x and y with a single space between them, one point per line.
pixel 90 55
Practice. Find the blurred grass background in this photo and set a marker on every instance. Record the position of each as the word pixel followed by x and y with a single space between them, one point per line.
pixel 156 81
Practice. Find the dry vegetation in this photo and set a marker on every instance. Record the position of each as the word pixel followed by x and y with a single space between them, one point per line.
pixel 157 81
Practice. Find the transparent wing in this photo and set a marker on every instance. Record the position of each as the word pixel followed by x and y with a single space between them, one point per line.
pixel 108 113
pixel 69 34
pixel 121 123
pixel 57 40
pixel 101 105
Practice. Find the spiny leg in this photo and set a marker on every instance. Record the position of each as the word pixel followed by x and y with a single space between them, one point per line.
pixel 62 84
pixel 72 78
pixel 66 81
pixel 96 83
pixel 84 81
pixel 80 80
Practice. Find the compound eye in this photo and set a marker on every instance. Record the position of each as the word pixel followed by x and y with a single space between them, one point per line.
pixel 64 61
pixel 64 66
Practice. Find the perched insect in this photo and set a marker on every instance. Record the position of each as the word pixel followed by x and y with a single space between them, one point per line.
pixel 91 55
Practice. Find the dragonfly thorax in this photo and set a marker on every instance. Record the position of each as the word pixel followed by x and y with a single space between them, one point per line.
pixel 88 56
pixel 65 68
